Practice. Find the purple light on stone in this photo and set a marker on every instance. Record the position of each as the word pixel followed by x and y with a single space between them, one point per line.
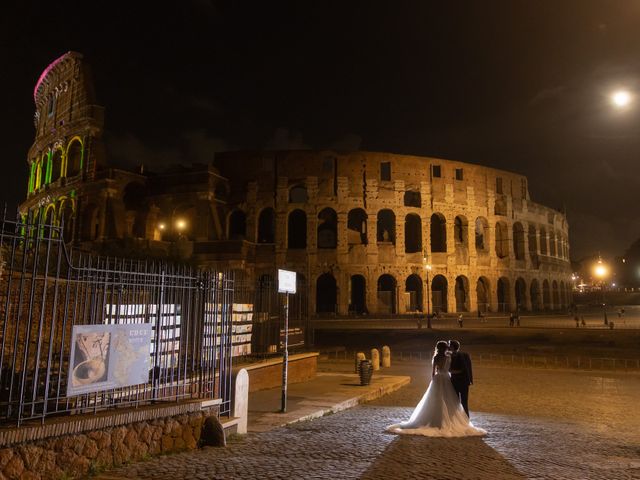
pixel 45 73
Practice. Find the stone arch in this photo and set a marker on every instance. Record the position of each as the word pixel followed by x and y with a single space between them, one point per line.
pixel 504 297
pixel 543 241
pixel 518 241
pixel 49 222
pixel 555 295
pixel 267 226
pixel 386 231
pixel 298 194
pixel 546 295
pixel 462 294
pixel 237 225
pixel 536 299
pixel 67 214
pixel 297 229
pixel 533 242
pixel 386 294
pixel 357 227
pixel 483 294
pixel 553 252
pixel 439 291
pixel 327 228
pixel 412 233
pixel 438 230
pixel 502 240
pixel 74 157
pixel 56 165
pixel 563 296
pixel 460 231
pixel 413 289
pixel 358 294
pixel 482 235
pixel 134 198
pixel 326 294
pixel 521 294
pixel 90 223
pixel 41 171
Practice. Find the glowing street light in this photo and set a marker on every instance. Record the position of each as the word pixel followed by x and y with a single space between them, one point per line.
pixel 181 224
pixel 600 270
pixel 162 226
pixel 621 99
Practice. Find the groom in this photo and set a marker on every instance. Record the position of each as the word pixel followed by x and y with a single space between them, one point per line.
pixel 461 374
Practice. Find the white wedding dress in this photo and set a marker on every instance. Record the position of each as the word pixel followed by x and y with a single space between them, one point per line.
pixel 439 413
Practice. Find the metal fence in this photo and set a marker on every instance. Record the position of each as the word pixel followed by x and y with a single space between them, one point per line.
pixel 46 289
pixel 268 313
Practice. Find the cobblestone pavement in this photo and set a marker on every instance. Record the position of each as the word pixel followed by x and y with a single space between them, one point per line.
pixel 542 425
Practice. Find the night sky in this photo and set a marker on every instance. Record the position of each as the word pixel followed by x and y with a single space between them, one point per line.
pixel 518 85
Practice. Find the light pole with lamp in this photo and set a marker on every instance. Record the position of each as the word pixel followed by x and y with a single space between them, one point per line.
pixel 600 271
pixel 427 269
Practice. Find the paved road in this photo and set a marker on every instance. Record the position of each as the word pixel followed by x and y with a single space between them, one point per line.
pixel 542 425
pixel 593 320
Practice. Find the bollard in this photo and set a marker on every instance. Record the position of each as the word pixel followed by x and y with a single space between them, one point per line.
pixel 375 359
pixel 366 371
pixel 359 356
pixel 386 357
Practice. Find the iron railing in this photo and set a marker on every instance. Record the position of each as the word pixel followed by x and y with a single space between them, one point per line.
pixel 46 289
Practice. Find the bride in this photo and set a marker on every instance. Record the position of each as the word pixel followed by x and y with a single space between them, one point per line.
pixel 439 413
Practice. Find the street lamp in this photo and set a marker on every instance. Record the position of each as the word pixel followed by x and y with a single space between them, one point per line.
pixel 600 271
pixel 621 99
pixel 427 269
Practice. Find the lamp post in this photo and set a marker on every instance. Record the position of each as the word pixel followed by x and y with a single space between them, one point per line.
pixel 600 271
pixel 427 269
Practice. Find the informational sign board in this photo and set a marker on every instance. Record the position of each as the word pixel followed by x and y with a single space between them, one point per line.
pixel 296 337
pixel 108 356
pixel 286 281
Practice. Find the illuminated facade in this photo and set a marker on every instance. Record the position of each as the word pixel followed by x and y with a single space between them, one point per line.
pixel 359 228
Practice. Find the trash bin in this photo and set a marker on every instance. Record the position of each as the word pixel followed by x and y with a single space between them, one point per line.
pixel 366 371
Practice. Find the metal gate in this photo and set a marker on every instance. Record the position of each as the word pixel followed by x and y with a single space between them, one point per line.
pixel 46 289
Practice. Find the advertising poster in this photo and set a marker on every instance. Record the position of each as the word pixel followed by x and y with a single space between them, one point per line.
pixel 108 356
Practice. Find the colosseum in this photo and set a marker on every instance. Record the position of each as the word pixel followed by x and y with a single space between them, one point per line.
pixel 367 232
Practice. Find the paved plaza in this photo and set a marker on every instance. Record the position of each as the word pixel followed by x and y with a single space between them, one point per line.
pixel 551 424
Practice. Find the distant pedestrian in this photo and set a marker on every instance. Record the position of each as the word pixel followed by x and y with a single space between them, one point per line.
pixel 511 320
pixel 517 319
pixel 460 320
pixel 577 321
pixel 429 320
pixel 582 322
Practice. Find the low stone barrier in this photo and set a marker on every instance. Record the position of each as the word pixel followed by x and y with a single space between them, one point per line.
pixel 41 452
pixel 268 374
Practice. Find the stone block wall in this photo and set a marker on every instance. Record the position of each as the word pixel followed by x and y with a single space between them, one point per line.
pixel 78 455
pixel 302 367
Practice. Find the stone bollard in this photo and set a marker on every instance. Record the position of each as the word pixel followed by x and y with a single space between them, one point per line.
pixel 375 359
pixel 386 357
pixel 241 399
pixel 359 356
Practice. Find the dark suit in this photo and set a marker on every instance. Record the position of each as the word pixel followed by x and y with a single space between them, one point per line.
pixel 461 377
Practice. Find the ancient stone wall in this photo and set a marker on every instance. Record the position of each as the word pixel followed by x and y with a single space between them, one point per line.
pixel 78 455
pixel 361 227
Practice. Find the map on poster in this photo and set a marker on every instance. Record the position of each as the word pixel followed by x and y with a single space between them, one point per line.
pixel 108 356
